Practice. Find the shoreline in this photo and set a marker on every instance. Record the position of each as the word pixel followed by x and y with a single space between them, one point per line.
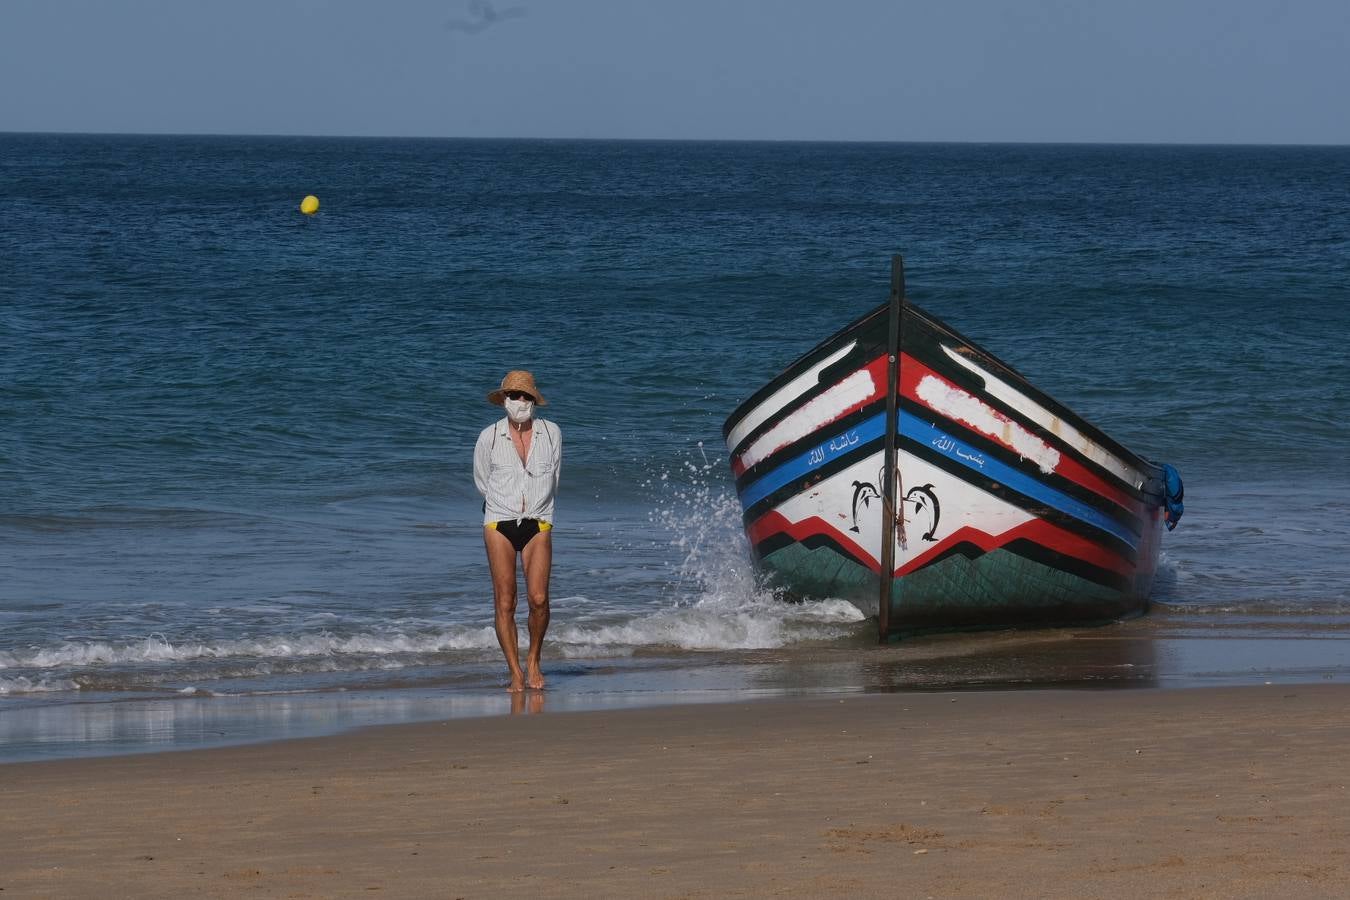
pixel 1235 791
pixel 1141 653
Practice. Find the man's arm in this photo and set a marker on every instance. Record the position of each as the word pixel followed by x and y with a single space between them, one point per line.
pixel 557 457
pixel 482 461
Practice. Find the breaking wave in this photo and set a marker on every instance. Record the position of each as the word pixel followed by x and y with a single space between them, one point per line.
pixel 159 648
pixel 713 602
pixel 25 685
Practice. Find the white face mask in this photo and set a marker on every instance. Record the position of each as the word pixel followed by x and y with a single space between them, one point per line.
pixel 519 411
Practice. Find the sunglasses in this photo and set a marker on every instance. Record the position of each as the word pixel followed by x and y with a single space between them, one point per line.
pixel 518 395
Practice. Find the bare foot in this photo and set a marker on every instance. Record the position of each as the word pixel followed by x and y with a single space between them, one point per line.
pixel 535 681
pixel 516 685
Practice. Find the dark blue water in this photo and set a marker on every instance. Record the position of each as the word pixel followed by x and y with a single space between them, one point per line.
pixel 235 440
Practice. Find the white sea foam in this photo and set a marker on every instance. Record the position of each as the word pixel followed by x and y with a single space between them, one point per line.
pixel 159 648
pixel 714 625
pixel 22 685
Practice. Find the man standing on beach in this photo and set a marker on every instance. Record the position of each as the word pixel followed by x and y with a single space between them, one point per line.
pixel 516 465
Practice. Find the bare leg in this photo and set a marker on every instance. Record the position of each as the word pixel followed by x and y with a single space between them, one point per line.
pixel 538 557
pixel 502 563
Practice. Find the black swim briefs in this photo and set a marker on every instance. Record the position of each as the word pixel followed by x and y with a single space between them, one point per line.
pixel 519 532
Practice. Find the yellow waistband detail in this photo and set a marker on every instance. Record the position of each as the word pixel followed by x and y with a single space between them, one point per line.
pixel 543 526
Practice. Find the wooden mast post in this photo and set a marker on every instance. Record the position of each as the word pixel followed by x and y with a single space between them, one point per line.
pixel 889 507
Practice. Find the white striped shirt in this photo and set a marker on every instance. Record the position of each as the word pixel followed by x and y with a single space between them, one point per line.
pixel 513 490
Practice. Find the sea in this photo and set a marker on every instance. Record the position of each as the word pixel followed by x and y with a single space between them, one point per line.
pixel 236 497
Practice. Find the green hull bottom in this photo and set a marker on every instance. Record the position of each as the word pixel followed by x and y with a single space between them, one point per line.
pixel 998 589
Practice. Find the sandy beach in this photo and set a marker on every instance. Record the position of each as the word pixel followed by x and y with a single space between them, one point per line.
pixel 1226 792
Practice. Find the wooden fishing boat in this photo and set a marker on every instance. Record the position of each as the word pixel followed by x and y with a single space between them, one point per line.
pixel 899 465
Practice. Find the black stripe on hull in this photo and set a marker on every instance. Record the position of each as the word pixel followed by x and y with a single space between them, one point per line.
pixel 813 478
pixel 989 447
pixel 856 361
pixel 997 489
pixel 939 332
pixel 856 330
pixel 910 407
pixel 1029 505
pixel 1027 549
pixel 925 343
pixel 809 441
pixel 924 337
pixel 1101 504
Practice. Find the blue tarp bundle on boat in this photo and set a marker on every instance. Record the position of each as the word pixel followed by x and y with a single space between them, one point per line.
pixel 1173 493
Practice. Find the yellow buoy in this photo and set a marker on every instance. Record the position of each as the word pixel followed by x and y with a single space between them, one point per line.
pixel 310 205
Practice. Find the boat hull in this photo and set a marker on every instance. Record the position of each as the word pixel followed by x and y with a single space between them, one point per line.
pixel 1010 510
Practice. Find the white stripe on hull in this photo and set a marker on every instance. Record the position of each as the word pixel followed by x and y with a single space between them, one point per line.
pixel 823 409
pixel 961 406
pixel 782 397
pixel 1052 423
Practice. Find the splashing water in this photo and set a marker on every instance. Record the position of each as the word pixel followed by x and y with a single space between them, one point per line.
pixel 718 601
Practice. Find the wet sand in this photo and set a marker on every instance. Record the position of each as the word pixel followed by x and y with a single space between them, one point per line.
pixel 1222 792
pixel 1159 650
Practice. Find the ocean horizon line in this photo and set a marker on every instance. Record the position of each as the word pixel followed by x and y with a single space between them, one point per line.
pixel 689 140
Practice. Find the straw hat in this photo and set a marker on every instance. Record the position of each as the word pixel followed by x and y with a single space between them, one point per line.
pixel 517 380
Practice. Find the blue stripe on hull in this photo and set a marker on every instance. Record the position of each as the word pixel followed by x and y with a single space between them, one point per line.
pixel 925 433
pixel 866 431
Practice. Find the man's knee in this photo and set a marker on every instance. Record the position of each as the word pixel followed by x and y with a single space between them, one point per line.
pixel 538 600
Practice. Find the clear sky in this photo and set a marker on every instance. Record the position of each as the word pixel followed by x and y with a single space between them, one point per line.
pixel 1247 71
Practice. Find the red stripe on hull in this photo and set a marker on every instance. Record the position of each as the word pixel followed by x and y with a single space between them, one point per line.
pixel 876 367
pixel 912 371
pixel 1037 530
pixel 1041 532
pixel 771 523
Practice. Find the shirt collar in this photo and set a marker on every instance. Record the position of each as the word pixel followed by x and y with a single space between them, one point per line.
pixel 504 425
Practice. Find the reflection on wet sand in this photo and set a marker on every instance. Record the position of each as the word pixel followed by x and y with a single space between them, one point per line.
pixel 527 702
pixel 998 660
pixel 1167 648
pixel 1078 658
